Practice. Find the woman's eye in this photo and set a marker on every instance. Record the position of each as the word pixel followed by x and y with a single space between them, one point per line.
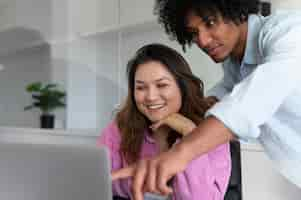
pixel 140 88
pixel 162 85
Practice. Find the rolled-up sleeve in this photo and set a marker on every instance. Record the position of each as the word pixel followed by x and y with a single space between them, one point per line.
pixel 258 97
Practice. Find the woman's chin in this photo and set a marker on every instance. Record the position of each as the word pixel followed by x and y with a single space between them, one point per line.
pixel 155 119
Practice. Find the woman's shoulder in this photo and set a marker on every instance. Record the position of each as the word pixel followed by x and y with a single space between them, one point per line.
pixel 111 127
pixel 110 133
pixel 220 152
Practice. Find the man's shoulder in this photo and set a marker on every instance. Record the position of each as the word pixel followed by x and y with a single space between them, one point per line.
pixel 285 18
pixel 282 26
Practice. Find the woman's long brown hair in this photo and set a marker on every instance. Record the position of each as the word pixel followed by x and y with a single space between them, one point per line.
pixel 132 123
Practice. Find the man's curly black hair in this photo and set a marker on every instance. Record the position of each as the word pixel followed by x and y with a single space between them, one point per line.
pixel 172 14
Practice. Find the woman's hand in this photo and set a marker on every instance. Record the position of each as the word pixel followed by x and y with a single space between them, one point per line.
pixel 152 175
pixel 124 172
pixel 177 122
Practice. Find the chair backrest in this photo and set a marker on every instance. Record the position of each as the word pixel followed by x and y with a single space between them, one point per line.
pixel 234 187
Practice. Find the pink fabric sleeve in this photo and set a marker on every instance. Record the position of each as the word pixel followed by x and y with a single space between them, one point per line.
pixel 110 137
pixel 206 177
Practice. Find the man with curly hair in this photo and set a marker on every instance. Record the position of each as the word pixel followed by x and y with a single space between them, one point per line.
pixel 259 94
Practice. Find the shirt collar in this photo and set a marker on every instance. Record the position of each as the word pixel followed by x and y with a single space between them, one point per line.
pixel 148 138
pixel 252 55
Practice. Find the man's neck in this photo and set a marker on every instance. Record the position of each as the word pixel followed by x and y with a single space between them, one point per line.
pixel 240 48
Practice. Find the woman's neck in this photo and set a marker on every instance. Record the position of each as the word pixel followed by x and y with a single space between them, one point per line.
pixel 160 137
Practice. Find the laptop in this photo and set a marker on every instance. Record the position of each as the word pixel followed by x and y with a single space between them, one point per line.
pixel 48 171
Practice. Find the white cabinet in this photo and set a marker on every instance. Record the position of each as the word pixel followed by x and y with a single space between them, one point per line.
pixel 92 16
pixel 63 20
pixel 97 16
pixel 39 20
pixel 261 181
pixel 136 12
pixel 7 13
pixel 60 20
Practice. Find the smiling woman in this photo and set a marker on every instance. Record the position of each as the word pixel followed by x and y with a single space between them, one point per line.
pixel 160 85
pixel 156 91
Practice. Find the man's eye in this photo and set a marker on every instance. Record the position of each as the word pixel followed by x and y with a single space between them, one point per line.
pixel 210 23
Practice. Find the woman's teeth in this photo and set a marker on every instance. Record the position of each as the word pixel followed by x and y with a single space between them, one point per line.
pixel 153 107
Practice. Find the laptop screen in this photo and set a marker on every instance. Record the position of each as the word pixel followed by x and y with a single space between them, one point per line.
pixel 36 171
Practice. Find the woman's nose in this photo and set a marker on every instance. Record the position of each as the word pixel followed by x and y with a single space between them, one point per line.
pixel 152 94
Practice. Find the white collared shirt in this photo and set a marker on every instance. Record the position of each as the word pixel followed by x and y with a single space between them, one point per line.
pixel 261 98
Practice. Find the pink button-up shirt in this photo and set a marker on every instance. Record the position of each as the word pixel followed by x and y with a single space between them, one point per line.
pixel 205 178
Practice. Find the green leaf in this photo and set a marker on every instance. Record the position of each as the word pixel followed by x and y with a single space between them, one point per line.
pixel 47 97
pixel 34 87
pixel 48 87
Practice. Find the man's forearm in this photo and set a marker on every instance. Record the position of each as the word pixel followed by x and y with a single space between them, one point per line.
pixel 205 137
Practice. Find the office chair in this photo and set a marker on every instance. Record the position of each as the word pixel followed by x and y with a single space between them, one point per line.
pixel 234 187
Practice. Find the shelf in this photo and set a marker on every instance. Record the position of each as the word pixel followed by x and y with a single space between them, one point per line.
pixel 19 38
pixel 124 29
pixel 12 132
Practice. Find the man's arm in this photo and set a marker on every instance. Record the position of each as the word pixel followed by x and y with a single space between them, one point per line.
pixel 176 121
pixel 205 137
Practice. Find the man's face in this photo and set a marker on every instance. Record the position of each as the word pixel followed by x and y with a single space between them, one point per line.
pixel 216 37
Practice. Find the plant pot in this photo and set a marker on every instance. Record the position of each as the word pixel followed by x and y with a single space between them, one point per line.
pixel 47 121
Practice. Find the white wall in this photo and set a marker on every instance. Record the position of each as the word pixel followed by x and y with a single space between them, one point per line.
pixel 108 87
pixel 49 17
pixel 287 5
pixel 86 68
pixel 89 70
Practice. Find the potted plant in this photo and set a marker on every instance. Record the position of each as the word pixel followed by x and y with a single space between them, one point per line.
pixel 47 98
